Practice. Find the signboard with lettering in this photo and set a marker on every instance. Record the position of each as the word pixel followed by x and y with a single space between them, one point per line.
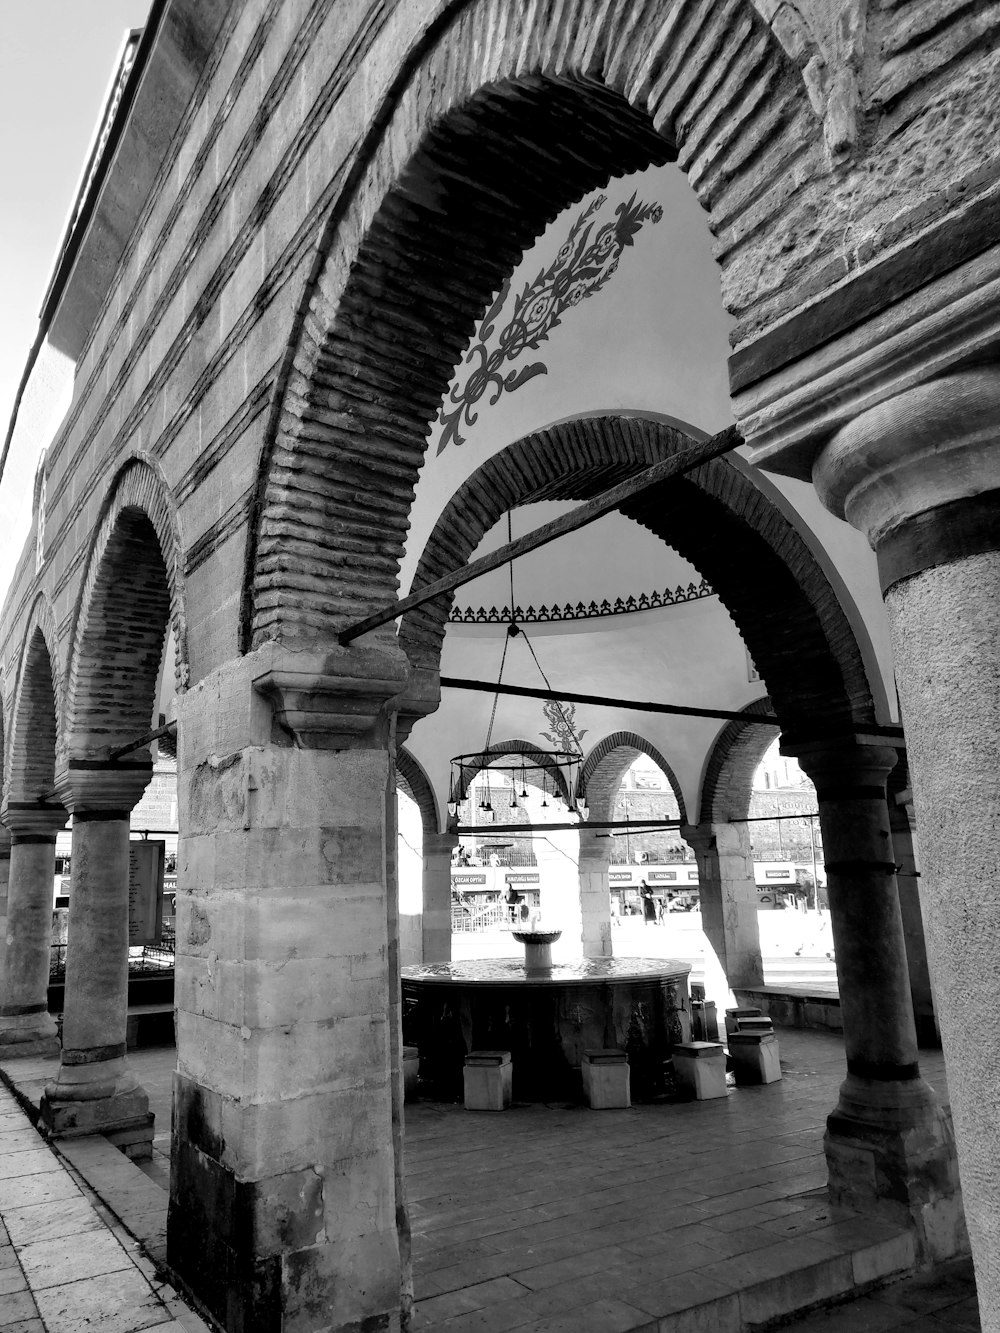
pixel 658 875
pixel 527 877
pixel 778 874
pixel 145 891
pixel 468 879
pixel 620 876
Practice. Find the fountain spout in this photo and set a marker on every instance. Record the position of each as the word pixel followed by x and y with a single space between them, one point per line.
pixel 537 950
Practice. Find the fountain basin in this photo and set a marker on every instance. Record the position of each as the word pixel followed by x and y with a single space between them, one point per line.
pixel 546 1019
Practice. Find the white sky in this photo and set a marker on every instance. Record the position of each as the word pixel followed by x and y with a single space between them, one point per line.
pixel 56 59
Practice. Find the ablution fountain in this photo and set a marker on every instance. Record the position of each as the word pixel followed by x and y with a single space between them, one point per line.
pixel 547 1015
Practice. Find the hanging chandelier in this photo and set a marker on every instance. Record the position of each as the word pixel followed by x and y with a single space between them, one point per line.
pixel 557 769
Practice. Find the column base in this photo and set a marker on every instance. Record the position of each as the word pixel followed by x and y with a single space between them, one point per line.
pixel 35 1036
pixel 890 1150
pixel 121 1114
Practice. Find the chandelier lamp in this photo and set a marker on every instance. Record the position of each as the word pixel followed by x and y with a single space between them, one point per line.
pixel 550 770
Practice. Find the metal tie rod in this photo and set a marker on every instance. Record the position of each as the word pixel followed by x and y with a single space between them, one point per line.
pixel 723 443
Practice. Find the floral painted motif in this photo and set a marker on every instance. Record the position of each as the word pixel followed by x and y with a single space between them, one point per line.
pixel 562 719
pixel 585 262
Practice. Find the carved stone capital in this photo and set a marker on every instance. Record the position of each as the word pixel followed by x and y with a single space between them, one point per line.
pixel 845 767
pixel 422 697
pixel 335 698
pixel 32 820
pixel 930 446
pixel 94 786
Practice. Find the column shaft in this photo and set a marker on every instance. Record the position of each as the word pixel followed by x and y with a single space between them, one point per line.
pixel 595 896
pixel 26 1026
pixel 907 880
pixel 436 916
pixel 889 1143
pixel 95 1091
pixel 945 625
pixel 728 897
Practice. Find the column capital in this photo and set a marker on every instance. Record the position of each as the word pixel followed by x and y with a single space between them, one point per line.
pixel 918 473
pixel 841 769
pixel 33 821
pixel 102 786
pixel 333 698
pixel 421 698
pixel 438 844
pixel 699 837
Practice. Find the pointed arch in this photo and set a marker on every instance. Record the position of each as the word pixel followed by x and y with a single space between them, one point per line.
pixel 37 712
pixel 775 590
pixel 607 764
pixel 132 592
pixel 414 780
pixel 503 115
pixel 732 763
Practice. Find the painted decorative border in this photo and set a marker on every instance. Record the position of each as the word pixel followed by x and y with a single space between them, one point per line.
pixel 593 610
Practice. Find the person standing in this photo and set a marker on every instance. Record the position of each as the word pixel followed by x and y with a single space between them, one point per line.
pixel 648 903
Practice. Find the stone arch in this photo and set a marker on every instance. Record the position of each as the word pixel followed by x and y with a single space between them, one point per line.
pixel 412 777
pixel 780 599
pixel 528 748
pixel 607 764
pixel 504 115
pixel 132 590
pixel 731 764
pixel 36 713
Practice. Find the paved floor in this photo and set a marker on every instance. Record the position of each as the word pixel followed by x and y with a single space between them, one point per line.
pixel 66 1262
pixel 697 1218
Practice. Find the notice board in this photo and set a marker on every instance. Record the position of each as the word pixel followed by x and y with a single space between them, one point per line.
pixel 145 891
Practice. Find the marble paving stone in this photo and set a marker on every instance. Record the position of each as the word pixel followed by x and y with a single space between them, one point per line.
pixel 119 1302
pixel 41 1221
pixel 37 1162
pixel 50 1263
pixel 16 1306
pixel 11 1280
pixel 45 1188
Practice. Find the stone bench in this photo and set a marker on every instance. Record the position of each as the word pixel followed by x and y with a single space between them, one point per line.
pixel 756 1058
pixel 606 1080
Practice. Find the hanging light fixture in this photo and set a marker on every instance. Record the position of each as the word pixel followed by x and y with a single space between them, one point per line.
pixel 562 767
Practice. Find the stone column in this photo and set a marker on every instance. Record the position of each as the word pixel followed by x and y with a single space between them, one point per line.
pixel 907 877
pixel 95 1091
pixel 889 1144
pixel 26 1026
pixel 728 896
pixel 436 918
pixel 918 474
pixel 284 1196
pixel 595 895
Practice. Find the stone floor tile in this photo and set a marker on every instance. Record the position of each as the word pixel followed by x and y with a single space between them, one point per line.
pixel 12 1280
pixel 43 1188
pixel 47 1221
pixel 16 1306
pixel 34 1162
pixel 858 1316
pixel 34 1325
pixel 50 1263
pixel 600 1316
pixel 21 1139
pixel 120 1302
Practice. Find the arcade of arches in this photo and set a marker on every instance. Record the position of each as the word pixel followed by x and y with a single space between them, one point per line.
pixel 353 293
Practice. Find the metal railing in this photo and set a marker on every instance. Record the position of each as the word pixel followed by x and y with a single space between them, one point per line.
pixel 143 960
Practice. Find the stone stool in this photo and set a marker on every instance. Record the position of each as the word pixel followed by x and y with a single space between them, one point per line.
pixel 761 1024
pixel 733 1017
pixel 704 1020
pixel 411 1069
pixel 605 1080
pixel 489 1078
pixel 755 1058
pixel 701 1068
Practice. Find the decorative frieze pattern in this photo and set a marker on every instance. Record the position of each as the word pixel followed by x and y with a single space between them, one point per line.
pixel 468 615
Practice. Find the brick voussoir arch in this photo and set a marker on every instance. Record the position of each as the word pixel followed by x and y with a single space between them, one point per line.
pixel 132 591
pixel 514 747
pixel 504 115
pixel 731 764
pixel 607 764
pixel 764 573
pixel 413 777
pixel 36 710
